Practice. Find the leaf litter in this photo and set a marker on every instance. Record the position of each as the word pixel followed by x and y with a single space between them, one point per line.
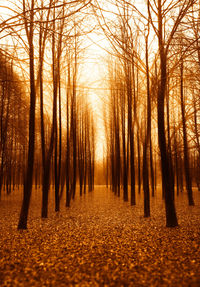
pixel 100 241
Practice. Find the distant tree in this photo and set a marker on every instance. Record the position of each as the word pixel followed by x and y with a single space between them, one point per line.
pixel 147 135
pixel 13 130
pixel 68 104
pixel 185 141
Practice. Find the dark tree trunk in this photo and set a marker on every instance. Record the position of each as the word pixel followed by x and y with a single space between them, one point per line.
pixel 146 142
pixel 132 149
pixel 139 168
pixel 176 163
pixel 67 203
pixel 152 170
pixel 171 219
pixel 146 182
pixel 74 141
pixel 169 143
pixel 125 173
pixel 185 142
pixel 31 147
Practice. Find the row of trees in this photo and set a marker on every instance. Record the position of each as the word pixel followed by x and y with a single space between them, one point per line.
pixel 13 115
pixel 59 137
pixel 153 107
pixel 154 98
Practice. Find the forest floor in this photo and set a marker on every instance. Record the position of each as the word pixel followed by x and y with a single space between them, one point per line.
pixel 100 241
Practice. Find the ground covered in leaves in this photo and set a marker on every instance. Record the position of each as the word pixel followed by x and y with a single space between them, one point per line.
pixel 100 241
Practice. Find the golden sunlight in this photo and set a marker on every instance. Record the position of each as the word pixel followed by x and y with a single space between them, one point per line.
pixel 100 143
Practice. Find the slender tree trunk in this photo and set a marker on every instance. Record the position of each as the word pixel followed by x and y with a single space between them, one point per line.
pixel 176 165
pixel 125 173
pixel 139 160
pixel 60 134
pixel 46 158
pixel 146 142
pixel 67 203
pixel 31 147
pixel 171 219
pixel 152 169
pixel 169 142
pixel 132 144
pixel 185 142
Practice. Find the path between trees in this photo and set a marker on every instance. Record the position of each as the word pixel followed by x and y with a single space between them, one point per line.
pixel 100 241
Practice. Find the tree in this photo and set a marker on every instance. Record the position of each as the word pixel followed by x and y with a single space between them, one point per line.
pixel 185 141
pixel 164 41
pixel 46 152
pixel 147 135
pixel 13 130
pixel 29 27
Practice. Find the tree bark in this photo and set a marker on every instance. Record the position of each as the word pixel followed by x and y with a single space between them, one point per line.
pixel 31 146
pixel 171 219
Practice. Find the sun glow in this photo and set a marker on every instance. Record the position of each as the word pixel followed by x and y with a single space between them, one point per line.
pixel 93 75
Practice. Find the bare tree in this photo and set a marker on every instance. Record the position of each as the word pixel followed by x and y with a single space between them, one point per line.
pixel 164 41
pixel 29 27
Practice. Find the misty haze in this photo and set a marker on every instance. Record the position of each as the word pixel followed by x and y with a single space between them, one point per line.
pixel 100 143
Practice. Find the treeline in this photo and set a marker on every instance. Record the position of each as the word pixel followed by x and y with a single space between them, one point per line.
pixel 152 115
pixel 52 136
pixel 13 127
pixel 152 119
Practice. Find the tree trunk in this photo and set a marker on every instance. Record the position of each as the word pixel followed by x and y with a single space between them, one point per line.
pixel 146 141
pixel 31 147
pixel 171 219
pixel 186 156
pixel 139 168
